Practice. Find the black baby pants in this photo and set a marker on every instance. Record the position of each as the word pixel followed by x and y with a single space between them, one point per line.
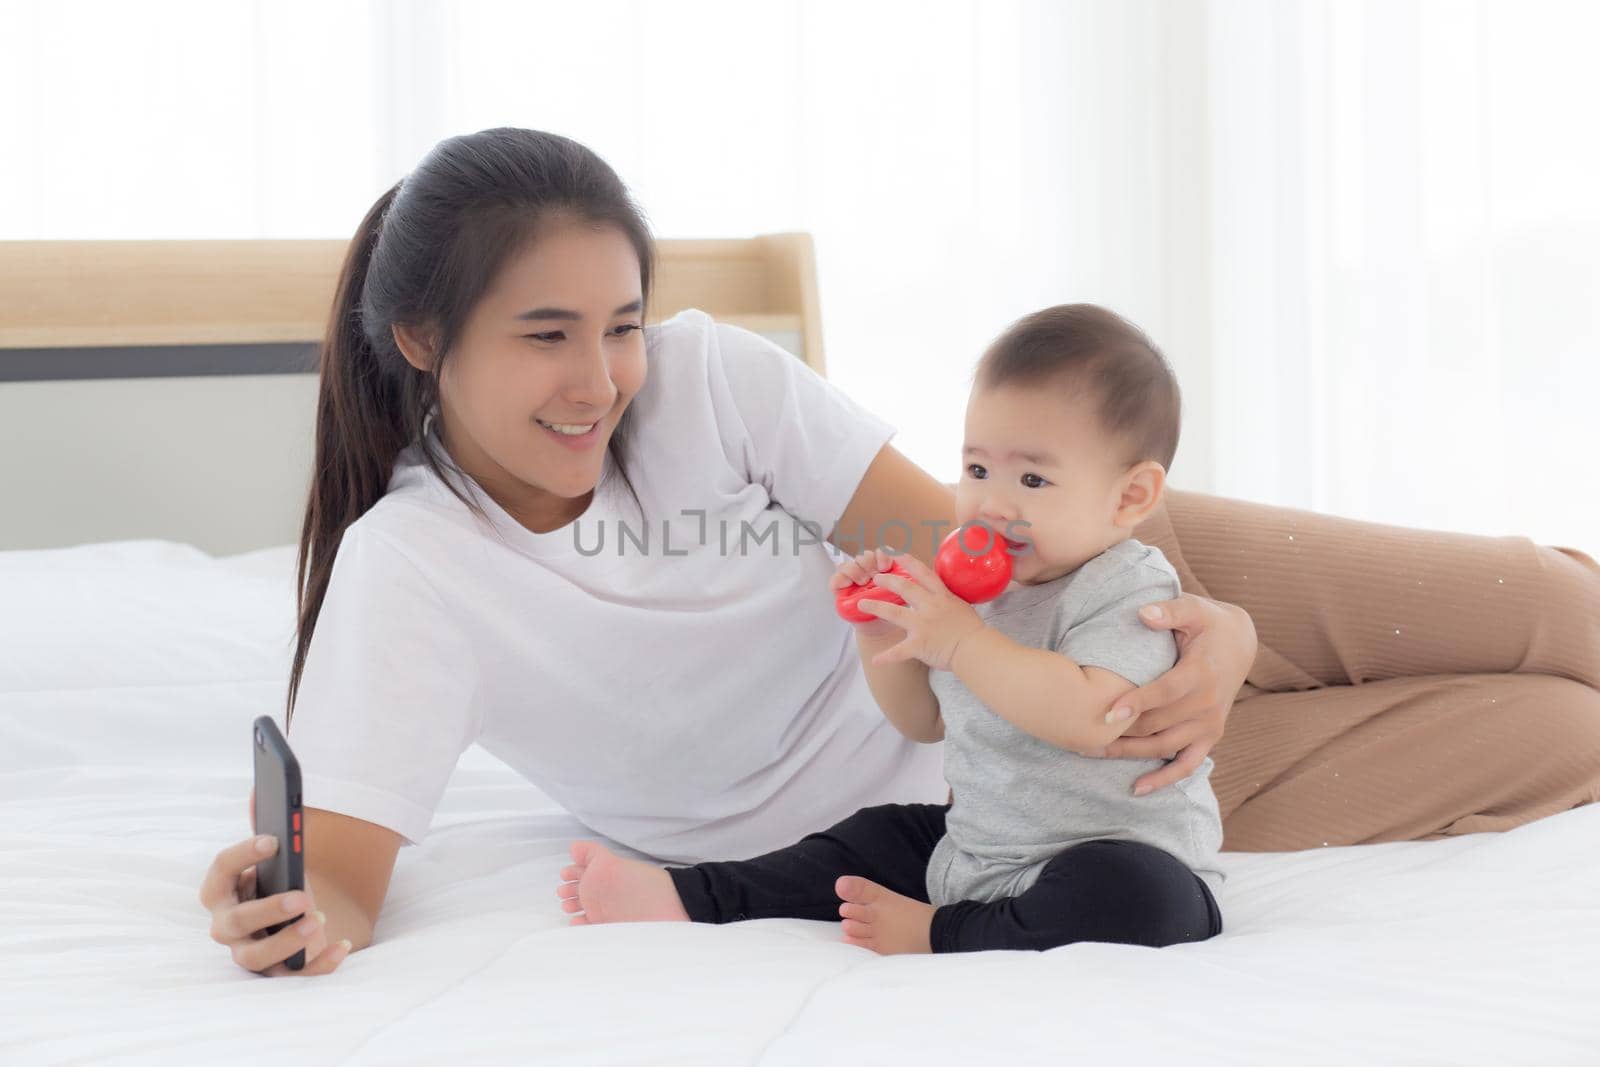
pixel 1118 891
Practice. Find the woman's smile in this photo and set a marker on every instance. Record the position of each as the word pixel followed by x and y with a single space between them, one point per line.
pixel 576 436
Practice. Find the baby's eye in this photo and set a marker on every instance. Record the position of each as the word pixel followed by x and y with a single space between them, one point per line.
pixel 1033 481
pixel 976 470
pixel 550 337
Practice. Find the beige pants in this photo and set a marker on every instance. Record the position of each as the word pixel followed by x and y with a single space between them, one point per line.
pixel 1409 685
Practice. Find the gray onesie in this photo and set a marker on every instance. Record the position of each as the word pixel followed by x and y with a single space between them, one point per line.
pixel 1020 801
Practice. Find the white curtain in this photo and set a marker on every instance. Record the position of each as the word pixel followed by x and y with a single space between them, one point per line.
pixel 1405 261
pixel 1364 232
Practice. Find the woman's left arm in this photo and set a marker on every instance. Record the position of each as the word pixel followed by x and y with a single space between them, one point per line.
pixel 1182 714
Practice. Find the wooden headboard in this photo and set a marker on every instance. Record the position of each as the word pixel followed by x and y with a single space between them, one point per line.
pixel 166 389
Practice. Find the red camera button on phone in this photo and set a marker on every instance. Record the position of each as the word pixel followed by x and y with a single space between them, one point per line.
pixel 297 820
pixel 297 842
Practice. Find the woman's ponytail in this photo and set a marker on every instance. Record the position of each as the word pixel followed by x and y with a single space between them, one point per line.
pixel 361 428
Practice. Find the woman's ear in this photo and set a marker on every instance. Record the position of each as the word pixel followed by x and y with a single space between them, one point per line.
pixel 1142 488
pixel 415 344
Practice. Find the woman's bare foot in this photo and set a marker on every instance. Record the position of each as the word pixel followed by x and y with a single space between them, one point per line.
pixel 606 888
pixel 881 919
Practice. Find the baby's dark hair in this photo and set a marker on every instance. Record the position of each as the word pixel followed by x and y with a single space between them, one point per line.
pixel 1084 346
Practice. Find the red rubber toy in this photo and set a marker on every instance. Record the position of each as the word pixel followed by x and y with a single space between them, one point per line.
pixel 852 595
pixel 978 572
pixel 970 573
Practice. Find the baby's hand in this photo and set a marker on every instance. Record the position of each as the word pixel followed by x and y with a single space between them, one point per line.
pixel 858 570
pixel 934 619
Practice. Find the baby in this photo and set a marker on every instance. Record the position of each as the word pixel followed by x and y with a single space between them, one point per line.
pixel 1070 430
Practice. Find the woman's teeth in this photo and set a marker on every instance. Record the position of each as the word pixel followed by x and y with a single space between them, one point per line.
pixel 568 428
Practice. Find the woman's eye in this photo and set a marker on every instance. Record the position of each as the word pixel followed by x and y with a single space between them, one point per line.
pixel 626 329
pixel 549 338
pixel 976 470
pixel 1033 481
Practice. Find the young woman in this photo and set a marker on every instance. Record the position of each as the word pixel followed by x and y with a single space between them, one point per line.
pixel 595 550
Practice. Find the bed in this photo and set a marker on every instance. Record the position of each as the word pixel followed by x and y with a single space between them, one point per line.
pixel 130 672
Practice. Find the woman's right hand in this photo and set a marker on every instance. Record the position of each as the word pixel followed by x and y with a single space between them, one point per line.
pixel 239 921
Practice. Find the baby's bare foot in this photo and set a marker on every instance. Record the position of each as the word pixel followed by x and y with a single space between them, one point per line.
pixel 602 887
pixel 881 919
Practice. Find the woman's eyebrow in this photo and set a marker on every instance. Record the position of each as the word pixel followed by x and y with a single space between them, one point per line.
pixel 566 315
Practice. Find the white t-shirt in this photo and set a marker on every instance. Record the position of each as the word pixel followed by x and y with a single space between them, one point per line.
pixel 694 698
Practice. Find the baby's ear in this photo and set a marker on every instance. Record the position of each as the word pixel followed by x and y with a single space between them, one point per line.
pixel 1143 486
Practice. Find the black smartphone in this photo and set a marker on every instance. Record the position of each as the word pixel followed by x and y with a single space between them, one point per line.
pixel 278 814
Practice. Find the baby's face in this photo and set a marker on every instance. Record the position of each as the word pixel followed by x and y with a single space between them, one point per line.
pixel 1035 457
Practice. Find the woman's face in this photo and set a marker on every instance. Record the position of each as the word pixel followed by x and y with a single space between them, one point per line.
pixel 545 366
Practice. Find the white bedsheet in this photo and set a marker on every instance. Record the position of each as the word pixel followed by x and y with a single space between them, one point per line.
pixel 129 674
